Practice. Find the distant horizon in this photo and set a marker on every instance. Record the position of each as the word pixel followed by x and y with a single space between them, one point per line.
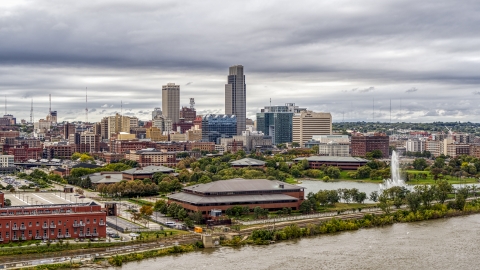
pixel 348 58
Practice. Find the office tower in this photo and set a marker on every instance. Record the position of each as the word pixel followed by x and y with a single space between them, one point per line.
pixel 276 121
pixel 171 101
pixel 114 125
pixel 306 124
pixel 235 97
pixel 216 126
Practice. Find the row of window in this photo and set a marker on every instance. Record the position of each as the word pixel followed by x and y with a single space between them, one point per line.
pixel 52 223
pixel 52 232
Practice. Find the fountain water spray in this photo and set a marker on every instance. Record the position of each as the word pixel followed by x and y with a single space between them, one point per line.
pixel 395 180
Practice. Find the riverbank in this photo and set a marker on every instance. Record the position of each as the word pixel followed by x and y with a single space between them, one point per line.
pixel 278 232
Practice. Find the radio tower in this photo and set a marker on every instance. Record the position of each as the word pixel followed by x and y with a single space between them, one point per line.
pixel 5 104
pixel 192 103
pixel 50 102
pixel 86 106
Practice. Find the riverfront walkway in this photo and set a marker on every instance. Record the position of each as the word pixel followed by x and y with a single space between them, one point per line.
pixel 309 216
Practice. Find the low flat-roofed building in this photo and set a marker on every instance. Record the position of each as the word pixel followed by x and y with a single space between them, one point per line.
pixel 105 177
pixel 146 172
pixel 344 163
pixel 247 162
pixel 224 194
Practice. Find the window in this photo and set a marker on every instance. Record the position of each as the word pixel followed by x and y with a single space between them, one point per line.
pixel 7 235
pixel 59 222
pixel 30 224
pixel 38 223
pixel 94 221
pixel 88 221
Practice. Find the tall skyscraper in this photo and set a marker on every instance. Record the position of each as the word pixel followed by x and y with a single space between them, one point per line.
pixel 171 101
pixel 235 97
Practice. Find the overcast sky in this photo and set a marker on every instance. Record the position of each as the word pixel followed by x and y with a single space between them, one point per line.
pixel 343 57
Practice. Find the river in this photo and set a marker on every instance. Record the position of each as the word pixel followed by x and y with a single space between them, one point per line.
pixel 436 244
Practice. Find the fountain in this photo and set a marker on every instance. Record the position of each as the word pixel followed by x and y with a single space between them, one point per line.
pixel 395 180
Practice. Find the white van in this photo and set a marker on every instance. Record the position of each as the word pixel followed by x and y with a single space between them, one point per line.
pixel 170 223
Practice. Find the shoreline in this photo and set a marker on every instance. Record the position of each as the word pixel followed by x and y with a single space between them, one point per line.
pixel 302 228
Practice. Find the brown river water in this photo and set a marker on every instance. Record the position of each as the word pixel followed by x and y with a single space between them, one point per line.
pixel 438 244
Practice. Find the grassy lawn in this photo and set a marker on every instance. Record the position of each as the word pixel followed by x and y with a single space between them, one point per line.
pixel 345 206
pixel 161 235
pixel 429 180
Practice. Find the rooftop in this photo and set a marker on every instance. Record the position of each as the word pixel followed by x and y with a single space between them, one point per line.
pixel 240 184
pixel 248 162
pixel 105 177
pixel 332 159
pixel 149 170
pixel 197 199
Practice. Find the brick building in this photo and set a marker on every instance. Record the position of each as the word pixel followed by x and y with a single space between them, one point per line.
pixel 151 156
pixel 224 194
pixel 202 146
pixel 188 114
pixel 361 145
pixel 127 146
pixel 171 146
pixel 64 151
pixel 344 163
pixel 49 222
pixel 23 152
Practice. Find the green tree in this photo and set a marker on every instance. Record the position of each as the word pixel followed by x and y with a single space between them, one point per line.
pixel 374 196
pixel 420 164
pixel 414 200
pixel 443 189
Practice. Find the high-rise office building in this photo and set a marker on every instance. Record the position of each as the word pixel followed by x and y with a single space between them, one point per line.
pixel 216 126
pixel 171 101
pixel 276 121
pixel 235 97
pixel 306 124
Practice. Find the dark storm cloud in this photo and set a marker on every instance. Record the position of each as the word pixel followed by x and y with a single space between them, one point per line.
pixel 346 57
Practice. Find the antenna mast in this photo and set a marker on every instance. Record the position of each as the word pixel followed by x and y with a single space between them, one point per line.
pixel 86 105
pixel 31 112
pixel 373 110
pixel 5 104
pixel 50 102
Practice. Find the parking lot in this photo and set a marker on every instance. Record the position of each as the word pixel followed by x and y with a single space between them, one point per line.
pixel 39 198
pixel 122 223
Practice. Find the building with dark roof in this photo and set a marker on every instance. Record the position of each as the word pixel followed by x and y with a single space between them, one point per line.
pixel 224 194
pixel 105 177
pixel 145 172
pixel 247 162
pixel 344 163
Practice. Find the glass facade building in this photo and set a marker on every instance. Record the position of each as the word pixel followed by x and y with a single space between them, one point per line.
pixel 277 121
pixel 216 126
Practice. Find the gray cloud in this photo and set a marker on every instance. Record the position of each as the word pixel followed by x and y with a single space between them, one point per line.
pixel 308 54
pixel 411 90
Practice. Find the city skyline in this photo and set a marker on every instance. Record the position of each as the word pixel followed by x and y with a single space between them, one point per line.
pixel 347 58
